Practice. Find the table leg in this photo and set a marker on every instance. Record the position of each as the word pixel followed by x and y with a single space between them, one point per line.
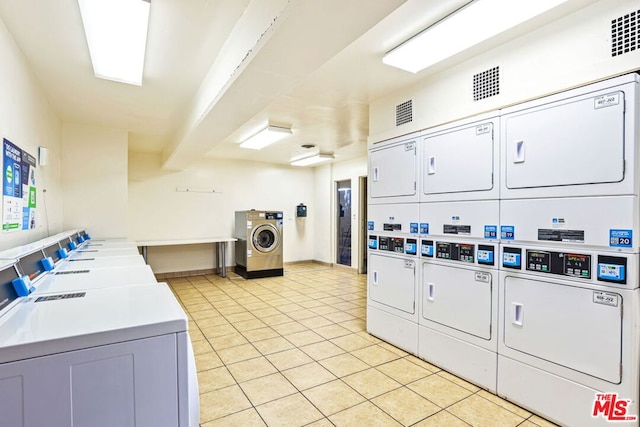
pixel 144 254
pixel 216 257
pixel 223 256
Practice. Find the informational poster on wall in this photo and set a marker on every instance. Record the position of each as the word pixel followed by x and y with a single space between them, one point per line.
pixel 19 189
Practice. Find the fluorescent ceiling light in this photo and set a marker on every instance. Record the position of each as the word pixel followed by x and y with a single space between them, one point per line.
pixel 312 160
pixel 116 32
pixel 266 136
pixel 473 24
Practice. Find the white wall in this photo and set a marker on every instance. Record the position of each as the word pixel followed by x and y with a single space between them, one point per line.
pixel 94 161
pixel 27 120
pixel 325 195
pixel 569 52
pixel 157 211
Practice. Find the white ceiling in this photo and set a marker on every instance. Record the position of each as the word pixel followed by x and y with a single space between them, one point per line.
pixel 218 70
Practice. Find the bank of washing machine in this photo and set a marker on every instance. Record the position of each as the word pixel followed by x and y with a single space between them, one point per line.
pixel 258 249
pixel 569 344
pixel 100 357
pixel 459 219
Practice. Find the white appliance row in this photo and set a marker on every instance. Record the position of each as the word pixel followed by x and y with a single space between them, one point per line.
pixel 88 337
pixel 501 249
pixel 575 152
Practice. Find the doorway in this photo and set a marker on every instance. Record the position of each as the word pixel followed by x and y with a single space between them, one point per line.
pixel 343 222
pixel 363 240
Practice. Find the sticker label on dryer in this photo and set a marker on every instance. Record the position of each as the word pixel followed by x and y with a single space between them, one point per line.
pixel 413 228
pixel 456 229
pixel 606 298
pixel 490 231
pixel 606 100
pixel 621 238
pixel 507 232
pixel 557 235
pixel 409 146
pixel 370 225
pixel 483 277
pixel 484 128
pixel 424 228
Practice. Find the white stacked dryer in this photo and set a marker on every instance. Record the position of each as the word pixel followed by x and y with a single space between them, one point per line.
pixel 393 215
pixel 570 336
pixel 459 219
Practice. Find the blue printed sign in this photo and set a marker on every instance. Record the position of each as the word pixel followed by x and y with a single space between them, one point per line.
pixel 370 225
pixel 424 228
pixel 621 238
pixel 507 232
pixel 490 231
pixel 413 228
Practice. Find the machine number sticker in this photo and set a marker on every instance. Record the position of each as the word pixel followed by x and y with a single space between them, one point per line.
pixel 370 225
pixel 621 238
pixel 490 231
pixel 409 146
pixel 507 232
pixel 606 100
pixel 424 228
pixel 482 129
pixel 483 277
pixel 606 298
pixel 408 264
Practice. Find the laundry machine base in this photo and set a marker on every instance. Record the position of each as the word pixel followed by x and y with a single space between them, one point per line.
pixel 471 362
pixel 395 330
pixel 257 274
pixel 555 398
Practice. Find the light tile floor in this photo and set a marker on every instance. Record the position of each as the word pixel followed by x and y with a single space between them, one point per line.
pixel 294 350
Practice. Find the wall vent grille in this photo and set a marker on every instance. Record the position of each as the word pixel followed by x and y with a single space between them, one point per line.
pixel 404 113
pixel 486 84
pixel 624 33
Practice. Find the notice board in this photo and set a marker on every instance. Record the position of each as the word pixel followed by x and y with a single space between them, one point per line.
pixel 18 189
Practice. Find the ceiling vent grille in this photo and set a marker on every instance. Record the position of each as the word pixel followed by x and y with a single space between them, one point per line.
pixel 404 113
pixel 624 33
pixel 486 84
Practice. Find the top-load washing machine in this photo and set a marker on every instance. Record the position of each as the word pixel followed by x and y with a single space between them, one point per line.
pixel 259 245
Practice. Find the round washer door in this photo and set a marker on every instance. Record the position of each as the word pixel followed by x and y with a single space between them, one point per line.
pixel 265 238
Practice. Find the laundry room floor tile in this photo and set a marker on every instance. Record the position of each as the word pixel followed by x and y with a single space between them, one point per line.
pixel 293 350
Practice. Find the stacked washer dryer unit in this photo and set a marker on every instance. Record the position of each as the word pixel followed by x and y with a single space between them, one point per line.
pixel 570 313
pixel 259 245
pixel 459 219
pixel 393 216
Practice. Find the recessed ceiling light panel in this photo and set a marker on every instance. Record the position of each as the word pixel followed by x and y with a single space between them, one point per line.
pixel 116 32
pixel 467 27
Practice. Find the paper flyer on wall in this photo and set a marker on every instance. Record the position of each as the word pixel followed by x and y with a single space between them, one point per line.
pixel 19 189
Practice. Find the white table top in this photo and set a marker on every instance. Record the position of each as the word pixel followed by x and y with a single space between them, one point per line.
pixel 169 242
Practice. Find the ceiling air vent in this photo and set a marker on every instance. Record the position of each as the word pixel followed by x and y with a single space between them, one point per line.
pixel 624 33
pixel 486 84
pixel 404 113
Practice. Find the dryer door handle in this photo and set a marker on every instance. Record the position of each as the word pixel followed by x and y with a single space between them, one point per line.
pixel 375 277
pixel 430 291
pixel 518 313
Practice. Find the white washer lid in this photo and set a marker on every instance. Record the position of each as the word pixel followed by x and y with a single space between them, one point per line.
pixel 104 262
pixel 81 279
pixel 103 316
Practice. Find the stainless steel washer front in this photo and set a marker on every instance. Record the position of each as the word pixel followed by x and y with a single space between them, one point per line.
pixel 259 245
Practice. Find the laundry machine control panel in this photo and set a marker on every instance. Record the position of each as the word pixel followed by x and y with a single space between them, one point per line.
pixel 400 245
pixel 463 252
pixel 607 268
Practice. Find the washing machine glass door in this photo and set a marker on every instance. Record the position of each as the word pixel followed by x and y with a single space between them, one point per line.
pixel 265 238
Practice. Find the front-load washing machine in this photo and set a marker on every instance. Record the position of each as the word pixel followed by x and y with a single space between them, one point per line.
pixel 259 245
